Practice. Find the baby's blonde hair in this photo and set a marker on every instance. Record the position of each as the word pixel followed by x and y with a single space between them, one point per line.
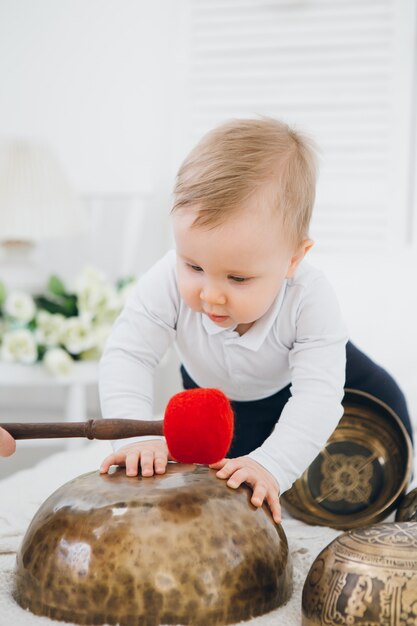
pixel 242 157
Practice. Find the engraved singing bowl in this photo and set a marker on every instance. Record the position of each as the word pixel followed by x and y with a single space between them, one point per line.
pixel 362 471
pixel 365 577
pixel 177 548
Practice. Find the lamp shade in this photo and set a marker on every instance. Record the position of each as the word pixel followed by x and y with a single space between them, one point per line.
pixel 36 200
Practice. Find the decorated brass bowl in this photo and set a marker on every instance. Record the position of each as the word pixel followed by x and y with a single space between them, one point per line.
pixel 365 577
pixel 407 508
pixel 178 548
pixel 361 473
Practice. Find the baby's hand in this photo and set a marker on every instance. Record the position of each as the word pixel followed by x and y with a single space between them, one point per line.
pixel 151 454
pixel 243 469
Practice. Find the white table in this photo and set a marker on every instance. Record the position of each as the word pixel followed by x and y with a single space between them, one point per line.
pixel 85 373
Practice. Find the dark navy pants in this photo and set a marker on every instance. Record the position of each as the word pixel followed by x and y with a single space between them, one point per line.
pixel 361 373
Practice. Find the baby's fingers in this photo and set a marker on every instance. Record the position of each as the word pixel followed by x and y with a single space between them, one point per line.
pixel 161 461
pixel 146 462
pixel 228 468
pixel 132 462
pixel 258 495
pixel 238 477
pixel 274 505
pixel 112 459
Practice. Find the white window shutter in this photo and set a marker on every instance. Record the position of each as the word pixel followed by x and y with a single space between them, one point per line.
pixel 340 70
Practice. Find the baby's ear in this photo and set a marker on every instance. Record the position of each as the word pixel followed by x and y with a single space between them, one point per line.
pixel 298 256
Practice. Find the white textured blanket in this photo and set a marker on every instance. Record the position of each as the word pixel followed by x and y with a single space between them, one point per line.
pixel 22 494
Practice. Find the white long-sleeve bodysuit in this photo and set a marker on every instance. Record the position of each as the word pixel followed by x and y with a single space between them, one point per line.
pixel 299 341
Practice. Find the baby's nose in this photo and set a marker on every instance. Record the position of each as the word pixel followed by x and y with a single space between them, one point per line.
pixel 210 295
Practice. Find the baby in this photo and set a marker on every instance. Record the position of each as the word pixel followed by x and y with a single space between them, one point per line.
pixel 246 312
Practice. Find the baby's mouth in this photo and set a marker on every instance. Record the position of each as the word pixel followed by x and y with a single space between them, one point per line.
pixel 217 318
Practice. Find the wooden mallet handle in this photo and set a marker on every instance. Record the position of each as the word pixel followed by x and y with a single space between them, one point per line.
pixel 91 429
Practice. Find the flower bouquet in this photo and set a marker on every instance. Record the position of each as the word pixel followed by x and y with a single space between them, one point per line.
pixel 60 327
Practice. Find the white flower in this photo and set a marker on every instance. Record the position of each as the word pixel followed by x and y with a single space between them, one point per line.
pixel 96 297
pixel 110 306
pixel 49 328
pixel 20 305
pixel 89 277
pixel 19 346
pixel 101 302
pixel 100 335
pixel 58 362
pixel 24 330
pixel 89 287
pixel 77 334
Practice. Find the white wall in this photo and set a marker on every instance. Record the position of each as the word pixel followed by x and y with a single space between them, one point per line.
pixel 94 79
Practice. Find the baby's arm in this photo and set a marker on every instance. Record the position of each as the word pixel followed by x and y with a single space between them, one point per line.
pixel 152 455
pixel 140 337
pixel 243 469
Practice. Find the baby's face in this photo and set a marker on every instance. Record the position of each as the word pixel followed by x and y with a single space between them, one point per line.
pixel 232 272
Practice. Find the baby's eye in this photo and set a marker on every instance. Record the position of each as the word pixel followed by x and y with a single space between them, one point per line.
pixel 238 279
pixel 195 268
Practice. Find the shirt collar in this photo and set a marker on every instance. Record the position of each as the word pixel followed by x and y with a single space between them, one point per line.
pixel 256 335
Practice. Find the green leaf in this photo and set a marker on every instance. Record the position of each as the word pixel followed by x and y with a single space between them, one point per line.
pixel 52 306
pixel 69 303
pixel 3 293
pixel 65 305
pixel 56 286
pixel 122 282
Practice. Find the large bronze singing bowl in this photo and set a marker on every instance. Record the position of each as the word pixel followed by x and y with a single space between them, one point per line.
pixel 365 577
pixel 179 548
pixel 362 471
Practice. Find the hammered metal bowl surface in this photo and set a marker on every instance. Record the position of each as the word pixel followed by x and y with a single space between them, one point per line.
pixel 365 577
pixel 178 548
pixel 362 471
pixel 407 508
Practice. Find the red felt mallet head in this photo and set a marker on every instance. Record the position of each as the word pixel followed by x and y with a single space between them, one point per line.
pixel 198 426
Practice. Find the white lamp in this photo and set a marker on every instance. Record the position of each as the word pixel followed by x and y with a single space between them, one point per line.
pixel 36 203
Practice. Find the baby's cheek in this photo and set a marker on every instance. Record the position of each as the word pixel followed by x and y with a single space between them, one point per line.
pixel 191 296
pixel 246 307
